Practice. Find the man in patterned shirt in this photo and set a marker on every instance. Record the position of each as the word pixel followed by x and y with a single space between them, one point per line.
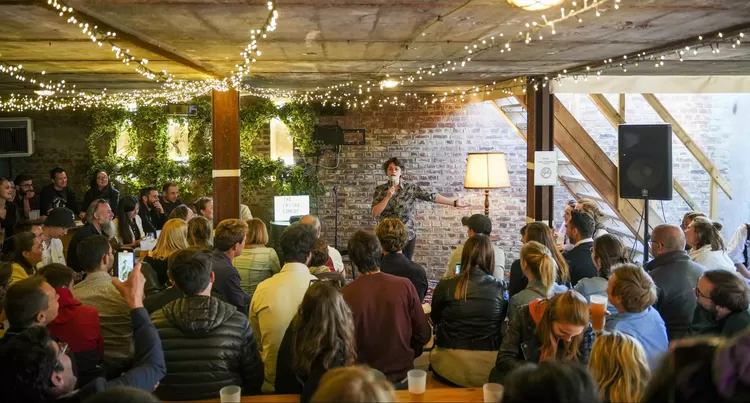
pixel 396 199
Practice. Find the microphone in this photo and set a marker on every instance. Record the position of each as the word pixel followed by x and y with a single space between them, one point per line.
pixel 390 182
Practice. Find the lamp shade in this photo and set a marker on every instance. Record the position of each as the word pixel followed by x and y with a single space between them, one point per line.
pixel 486 171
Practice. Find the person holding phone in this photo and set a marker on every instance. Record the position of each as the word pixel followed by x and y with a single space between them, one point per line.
pixel 397 199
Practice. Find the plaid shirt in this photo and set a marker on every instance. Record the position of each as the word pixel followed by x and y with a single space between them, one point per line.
pixel 401 205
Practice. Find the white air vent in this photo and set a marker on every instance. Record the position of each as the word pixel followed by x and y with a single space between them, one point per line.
pixel 16 137
pixel 181 110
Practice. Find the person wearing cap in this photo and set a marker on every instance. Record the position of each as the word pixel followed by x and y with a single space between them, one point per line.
pixel 477 224
pixel 397 199
pixel 55 227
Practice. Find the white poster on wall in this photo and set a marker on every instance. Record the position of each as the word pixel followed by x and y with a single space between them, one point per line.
pixel 545 168
pixel 284 207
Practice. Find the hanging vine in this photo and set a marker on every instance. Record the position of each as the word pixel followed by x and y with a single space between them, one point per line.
pixel 301 120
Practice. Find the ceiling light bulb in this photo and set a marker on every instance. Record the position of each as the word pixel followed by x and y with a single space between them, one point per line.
pixel 534 5
pixel 44 93
pixel 389 83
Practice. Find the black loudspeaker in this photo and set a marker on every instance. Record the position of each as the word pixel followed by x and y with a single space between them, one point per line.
pixel 645 161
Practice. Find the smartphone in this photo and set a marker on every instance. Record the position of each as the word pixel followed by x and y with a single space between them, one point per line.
pixel 458 268
pixel 125 263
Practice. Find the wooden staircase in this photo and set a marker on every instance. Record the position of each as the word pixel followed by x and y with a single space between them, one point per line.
pixel 587 172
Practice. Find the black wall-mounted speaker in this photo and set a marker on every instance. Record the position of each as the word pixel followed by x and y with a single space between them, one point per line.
pixel 645 161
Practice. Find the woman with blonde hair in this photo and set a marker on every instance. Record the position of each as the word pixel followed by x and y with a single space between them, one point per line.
pixel 540 269
pixel 619 367
pixel 591 208
pixel 257 261
pixel 546 329
pixel 539 232
pixel 356 384
pixel 200 233
pixel 173 237
pixel 707 245
pixel 468 311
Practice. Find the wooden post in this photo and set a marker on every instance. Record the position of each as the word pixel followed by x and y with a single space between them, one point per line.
pixel 226 154
pixel 713 209
pixel 621 106
pixel 540 137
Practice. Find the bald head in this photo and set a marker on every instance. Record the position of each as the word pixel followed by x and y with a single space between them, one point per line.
pixel 670 237
pixel 312 221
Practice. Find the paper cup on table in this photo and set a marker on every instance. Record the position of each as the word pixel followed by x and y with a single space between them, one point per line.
pixel 417 381
pixel 598 311
pixel 230 394
pixel 493 392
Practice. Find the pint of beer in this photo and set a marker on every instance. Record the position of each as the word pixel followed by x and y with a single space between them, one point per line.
pixel 598 311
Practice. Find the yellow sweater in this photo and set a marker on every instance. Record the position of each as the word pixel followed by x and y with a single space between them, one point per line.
pixel 18 273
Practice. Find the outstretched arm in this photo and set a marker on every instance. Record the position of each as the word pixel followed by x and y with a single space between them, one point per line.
pixel 440 199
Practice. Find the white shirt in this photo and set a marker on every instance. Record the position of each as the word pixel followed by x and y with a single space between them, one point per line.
pixel 737 245
pixel 498 273
pixel 712 259
pixel 138 223
pixel 338 262
pixel 52 252
pixel 273 307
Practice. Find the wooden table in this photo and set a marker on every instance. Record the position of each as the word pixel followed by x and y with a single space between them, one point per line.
pixel 469 395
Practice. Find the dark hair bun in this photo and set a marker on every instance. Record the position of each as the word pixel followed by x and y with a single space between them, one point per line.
pixel 717 225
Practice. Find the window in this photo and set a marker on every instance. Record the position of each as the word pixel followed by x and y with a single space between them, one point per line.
pixel 177 132
pixel 282 145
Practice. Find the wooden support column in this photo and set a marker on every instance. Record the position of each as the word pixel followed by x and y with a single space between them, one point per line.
pixel 225 119
pixel 540 137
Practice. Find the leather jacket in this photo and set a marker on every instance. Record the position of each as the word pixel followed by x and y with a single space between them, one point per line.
pixel 521 344
pixel 474 323
pixel 207 345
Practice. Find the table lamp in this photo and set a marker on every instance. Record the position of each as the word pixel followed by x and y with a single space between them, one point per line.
pixel 486 171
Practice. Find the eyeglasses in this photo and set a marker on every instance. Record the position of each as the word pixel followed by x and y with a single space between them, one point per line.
pixel 63 349
pixel 699 294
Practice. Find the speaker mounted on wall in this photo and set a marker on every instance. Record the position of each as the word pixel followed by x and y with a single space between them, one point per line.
pixel 645 161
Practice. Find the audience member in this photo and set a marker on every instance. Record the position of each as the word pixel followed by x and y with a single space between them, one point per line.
pixel 182 212
pixel 607 252
pixel 722 307
pixel 189 324
pixel 257 261
pixel 26 255
pixel 318 259
pixel 151 211
pixel 229 241
pixel 335 263
pixel 319 338
pixel 392 235
pixel 24 200
pixel 128 223
pixel 36 369
pixel 173 238
pixel 75 324
pixel 550 381
pixel 278 298
pixel 477 224
pixel 675 276
pixel 688 218
pixel 57 194
pixel 355 384
pixel 563 230
pixel 245 213
pixel 123 394
pixel 169 197
pixel 539 268
pixel 739 249
pixel 632 292
pixel 96 290
pixel 100 188
pixel 98 217
pixel 557 328
pixel 55 227
pixel 29 303
pixel 468 311
pixel 371 295
pixel 580 230
pixel 539 232
pixel 201 233
pixel 619 367
pixel 707 245
pixel 591 208
pixel 8 210
pixel 204 207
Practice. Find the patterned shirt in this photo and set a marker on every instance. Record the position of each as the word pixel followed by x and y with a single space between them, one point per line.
pixel 401 205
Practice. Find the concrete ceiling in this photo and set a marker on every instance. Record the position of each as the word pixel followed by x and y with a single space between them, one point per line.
pixel 321 43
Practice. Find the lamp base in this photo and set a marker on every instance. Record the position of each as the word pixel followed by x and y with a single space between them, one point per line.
pixel 487 202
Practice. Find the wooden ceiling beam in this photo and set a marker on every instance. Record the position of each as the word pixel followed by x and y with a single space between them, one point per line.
pixel 148 44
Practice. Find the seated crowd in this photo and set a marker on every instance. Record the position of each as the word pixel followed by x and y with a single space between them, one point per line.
pixel 208 308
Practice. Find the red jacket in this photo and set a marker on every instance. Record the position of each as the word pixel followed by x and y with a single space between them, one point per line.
pixel 77 325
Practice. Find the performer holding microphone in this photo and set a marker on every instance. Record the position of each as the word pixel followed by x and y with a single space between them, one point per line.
pixel 396 199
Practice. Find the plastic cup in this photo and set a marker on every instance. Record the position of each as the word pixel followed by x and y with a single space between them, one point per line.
pixel 230 394
pixel 493 392
pixel 598 311
pixel 417 381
